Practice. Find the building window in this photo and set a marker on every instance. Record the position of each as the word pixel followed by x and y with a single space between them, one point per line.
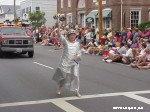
pixel 27 10
pixel 135 18
pixel 23 11
pixel 69 18
pixel 62 3
pixel 69 3
pixel 30 9
pixel 106 23
pixel 37 8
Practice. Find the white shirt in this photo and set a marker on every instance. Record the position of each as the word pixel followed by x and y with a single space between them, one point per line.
pixel 88 35
pixel 128 53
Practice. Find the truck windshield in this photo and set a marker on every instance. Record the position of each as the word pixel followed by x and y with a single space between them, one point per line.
pixel 12 31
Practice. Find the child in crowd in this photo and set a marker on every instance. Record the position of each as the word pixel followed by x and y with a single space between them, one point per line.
pixel 106 49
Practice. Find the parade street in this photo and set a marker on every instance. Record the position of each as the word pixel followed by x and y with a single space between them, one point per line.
pixel 26 85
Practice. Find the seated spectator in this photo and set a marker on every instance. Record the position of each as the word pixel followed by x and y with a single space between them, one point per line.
pixel 117 39
pixel 112 53
pixel 134 44
pixel 126 57
pixel 142 50
pixel 134 56
pixel 100 48
pixel 129 41
pixel 144 65
pixel 90 46
pixel 55 41
pixel 147 33
pixel 45 40
pixel 148 44
pixel 118 54
pixel 143 60
pixel 106 49
pixel 109 35
pixel 122 49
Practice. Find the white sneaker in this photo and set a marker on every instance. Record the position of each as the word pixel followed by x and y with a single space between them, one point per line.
pixel 108 61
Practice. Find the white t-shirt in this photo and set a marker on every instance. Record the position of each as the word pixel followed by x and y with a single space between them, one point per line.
pixel 128 53
pixel 88 35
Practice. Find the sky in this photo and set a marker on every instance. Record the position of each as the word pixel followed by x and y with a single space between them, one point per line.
pixel 10 2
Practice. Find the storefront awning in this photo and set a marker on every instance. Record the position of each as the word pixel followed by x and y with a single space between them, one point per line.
pixel 106 13
pixel 91 16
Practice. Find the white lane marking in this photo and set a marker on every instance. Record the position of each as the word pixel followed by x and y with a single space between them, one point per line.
pixel 83 97
pixel 67 107
pixel 138 98
pixel 43 65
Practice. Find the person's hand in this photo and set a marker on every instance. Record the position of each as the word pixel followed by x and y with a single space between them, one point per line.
pixel 77 58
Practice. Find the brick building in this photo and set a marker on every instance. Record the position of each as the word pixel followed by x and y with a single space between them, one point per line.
pixel 85 12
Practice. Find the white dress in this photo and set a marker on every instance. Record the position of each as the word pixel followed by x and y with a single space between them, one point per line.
pixel 67 73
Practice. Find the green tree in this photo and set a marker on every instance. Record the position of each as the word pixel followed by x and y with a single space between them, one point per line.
pixel 37 18
pixel 143 25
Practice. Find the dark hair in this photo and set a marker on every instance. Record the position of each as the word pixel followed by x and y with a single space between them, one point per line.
pixel 148 40
pixel 144 45
pixel 106 33
pixel 110 46
pixel 128 45
pixel 122 44
pixel 117 33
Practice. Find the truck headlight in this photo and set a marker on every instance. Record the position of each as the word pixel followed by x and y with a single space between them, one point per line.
pixel 5 41
pixel 30 41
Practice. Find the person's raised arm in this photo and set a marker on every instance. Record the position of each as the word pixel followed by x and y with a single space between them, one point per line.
pixel 58 29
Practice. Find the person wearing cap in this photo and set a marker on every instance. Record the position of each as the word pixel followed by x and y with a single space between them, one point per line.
pixel 67 73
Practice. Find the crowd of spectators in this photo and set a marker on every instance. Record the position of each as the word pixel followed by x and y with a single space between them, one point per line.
pixel 129 46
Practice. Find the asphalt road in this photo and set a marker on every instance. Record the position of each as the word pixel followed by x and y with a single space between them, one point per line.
pixel 26 85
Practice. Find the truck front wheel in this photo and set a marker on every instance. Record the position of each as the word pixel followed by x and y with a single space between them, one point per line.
pixel 30 54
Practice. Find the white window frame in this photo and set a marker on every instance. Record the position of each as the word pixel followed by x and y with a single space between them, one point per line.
pixel 69 18
pixel 69 3
pixel 105 25
pixel 139 18
pixel 62 4
pixel 94 1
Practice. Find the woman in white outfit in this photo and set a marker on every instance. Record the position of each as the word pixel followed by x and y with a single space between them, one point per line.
pixel 67 73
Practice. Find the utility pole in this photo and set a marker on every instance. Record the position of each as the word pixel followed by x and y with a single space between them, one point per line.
pixel 121 14
pixel 100 18
pixel 14 10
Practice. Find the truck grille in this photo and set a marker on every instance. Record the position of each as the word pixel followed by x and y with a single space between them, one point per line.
pixel 25 41
pixel 11 42
pixel 18 42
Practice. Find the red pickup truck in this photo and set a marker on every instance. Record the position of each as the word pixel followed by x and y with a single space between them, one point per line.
pixel 14 39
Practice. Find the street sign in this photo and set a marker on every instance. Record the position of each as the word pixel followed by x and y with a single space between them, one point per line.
pixel 90 20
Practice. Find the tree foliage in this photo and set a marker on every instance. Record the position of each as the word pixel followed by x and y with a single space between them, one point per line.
pixel 37 18
pixel 143 25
